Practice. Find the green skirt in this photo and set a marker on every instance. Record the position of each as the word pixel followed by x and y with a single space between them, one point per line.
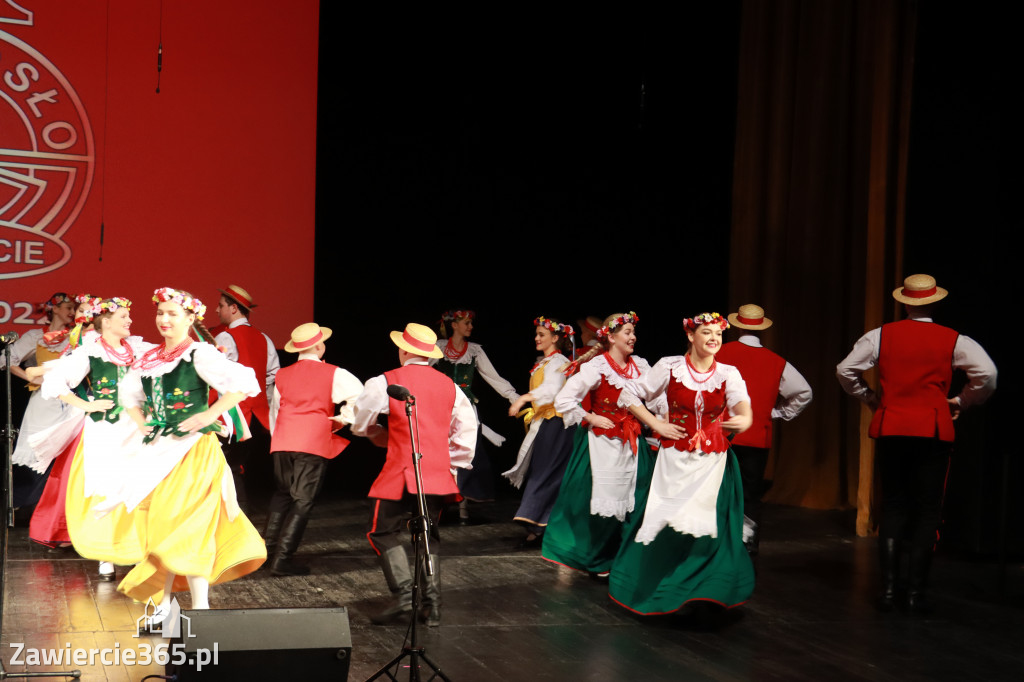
pixel 674 569
pixel 575 537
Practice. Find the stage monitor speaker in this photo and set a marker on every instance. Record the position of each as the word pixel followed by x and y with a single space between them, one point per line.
pixel 262 644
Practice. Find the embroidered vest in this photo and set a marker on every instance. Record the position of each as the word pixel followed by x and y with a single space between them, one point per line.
pixel 103 379
pixel 682 410
pixel 174 397
pixel 461 373
pixel 604 402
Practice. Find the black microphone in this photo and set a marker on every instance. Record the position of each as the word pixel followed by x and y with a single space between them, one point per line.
pixel 11 337
pixel 399 392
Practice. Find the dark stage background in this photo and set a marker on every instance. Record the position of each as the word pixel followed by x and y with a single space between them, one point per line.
pixel 534 169
pixel 531 168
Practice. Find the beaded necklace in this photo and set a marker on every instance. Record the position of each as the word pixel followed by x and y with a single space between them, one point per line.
pixel 124 357
pixel 452 354
pixel 630 371
pixel 157 356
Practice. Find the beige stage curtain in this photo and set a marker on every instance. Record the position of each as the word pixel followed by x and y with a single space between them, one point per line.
pixel 818 210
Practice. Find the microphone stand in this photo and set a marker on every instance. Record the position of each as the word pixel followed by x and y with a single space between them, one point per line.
pixel 7 507
pixel 420 527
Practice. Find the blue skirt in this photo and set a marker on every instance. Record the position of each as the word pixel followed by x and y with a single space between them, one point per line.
pixel 548 457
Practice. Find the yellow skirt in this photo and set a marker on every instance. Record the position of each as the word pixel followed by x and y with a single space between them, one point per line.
pixel 187 530
pixel 118 537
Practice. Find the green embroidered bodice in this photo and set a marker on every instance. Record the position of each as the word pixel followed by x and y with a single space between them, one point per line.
pixel 461 373
pixel 174 397
pixel 104 378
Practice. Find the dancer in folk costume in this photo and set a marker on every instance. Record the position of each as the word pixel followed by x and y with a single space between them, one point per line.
pixel 88 379
pixel 445 432
pixel 58 443
pixel 777 391
pixel 688 542
pixel 462 360
pixel 610 460
pixel 195 534
pixel 34 348
pixel 244 344
pixel 540 466
pixel 913 426
pixel 303 442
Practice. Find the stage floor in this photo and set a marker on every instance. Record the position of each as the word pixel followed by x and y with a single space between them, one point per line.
pixel 510 615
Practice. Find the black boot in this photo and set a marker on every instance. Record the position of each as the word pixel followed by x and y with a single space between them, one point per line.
pixel 917 587
pixel 888 563
pixel 395 564
pixel 272 530
pixel 291 535
pixel 430 613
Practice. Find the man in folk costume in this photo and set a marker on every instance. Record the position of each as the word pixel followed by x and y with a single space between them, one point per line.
pixel 913 425
pixel 303 441
pixel 447 435
pixel 777 391
pixel 245 344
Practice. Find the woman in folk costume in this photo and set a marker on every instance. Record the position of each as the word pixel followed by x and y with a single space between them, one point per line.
pixel 462 361
pixel 688 542
pixel 35 347
pixel 545 450
pixel 88 380
pixel 610 460
pixel 57 444
pixel 178 483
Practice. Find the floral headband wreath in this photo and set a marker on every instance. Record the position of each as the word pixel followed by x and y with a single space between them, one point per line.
pixel 452 315
pixel 614 325
pixel 186 301
pixel 113 304
pixel 554 327
pixel 48 305
pixel 691 323
pixel 90 312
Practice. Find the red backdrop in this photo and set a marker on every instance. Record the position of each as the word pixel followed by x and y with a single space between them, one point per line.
pixel 111 188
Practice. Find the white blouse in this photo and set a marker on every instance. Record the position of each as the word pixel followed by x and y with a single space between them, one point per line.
pixel 483 367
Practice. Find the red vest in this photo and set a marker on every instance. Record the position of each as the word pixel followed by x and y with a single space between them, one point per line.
pixel 303 420
pixel 762 370
pixel 252 352
pixel 604 401
pixel 435 399
pixel 915 367
pixel 681 413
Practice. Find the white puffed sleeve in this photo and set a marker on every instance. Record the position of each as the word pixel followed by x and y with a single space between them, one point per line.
pixel 567 402
pixel 22 348
pixel 222 374
pixel 554 379
pixel 64 374
pixel 650 385
pixel 491 376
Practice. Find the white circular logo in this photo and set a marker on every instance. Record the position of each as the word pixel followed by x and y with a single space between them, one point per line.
pixel 47 160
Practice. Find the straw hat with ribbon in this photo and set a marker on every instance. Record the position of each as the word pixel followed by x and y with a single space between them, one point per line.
pixel 307 336
pixel 239 294
pixel 750 316
pixel 919 290
pixel 418 340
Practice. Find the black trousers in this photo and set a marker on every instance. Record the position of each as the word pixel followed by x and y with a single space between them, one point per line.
pixel 752 462
pixel 299 476
pixel 389 519
pixel 912 473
